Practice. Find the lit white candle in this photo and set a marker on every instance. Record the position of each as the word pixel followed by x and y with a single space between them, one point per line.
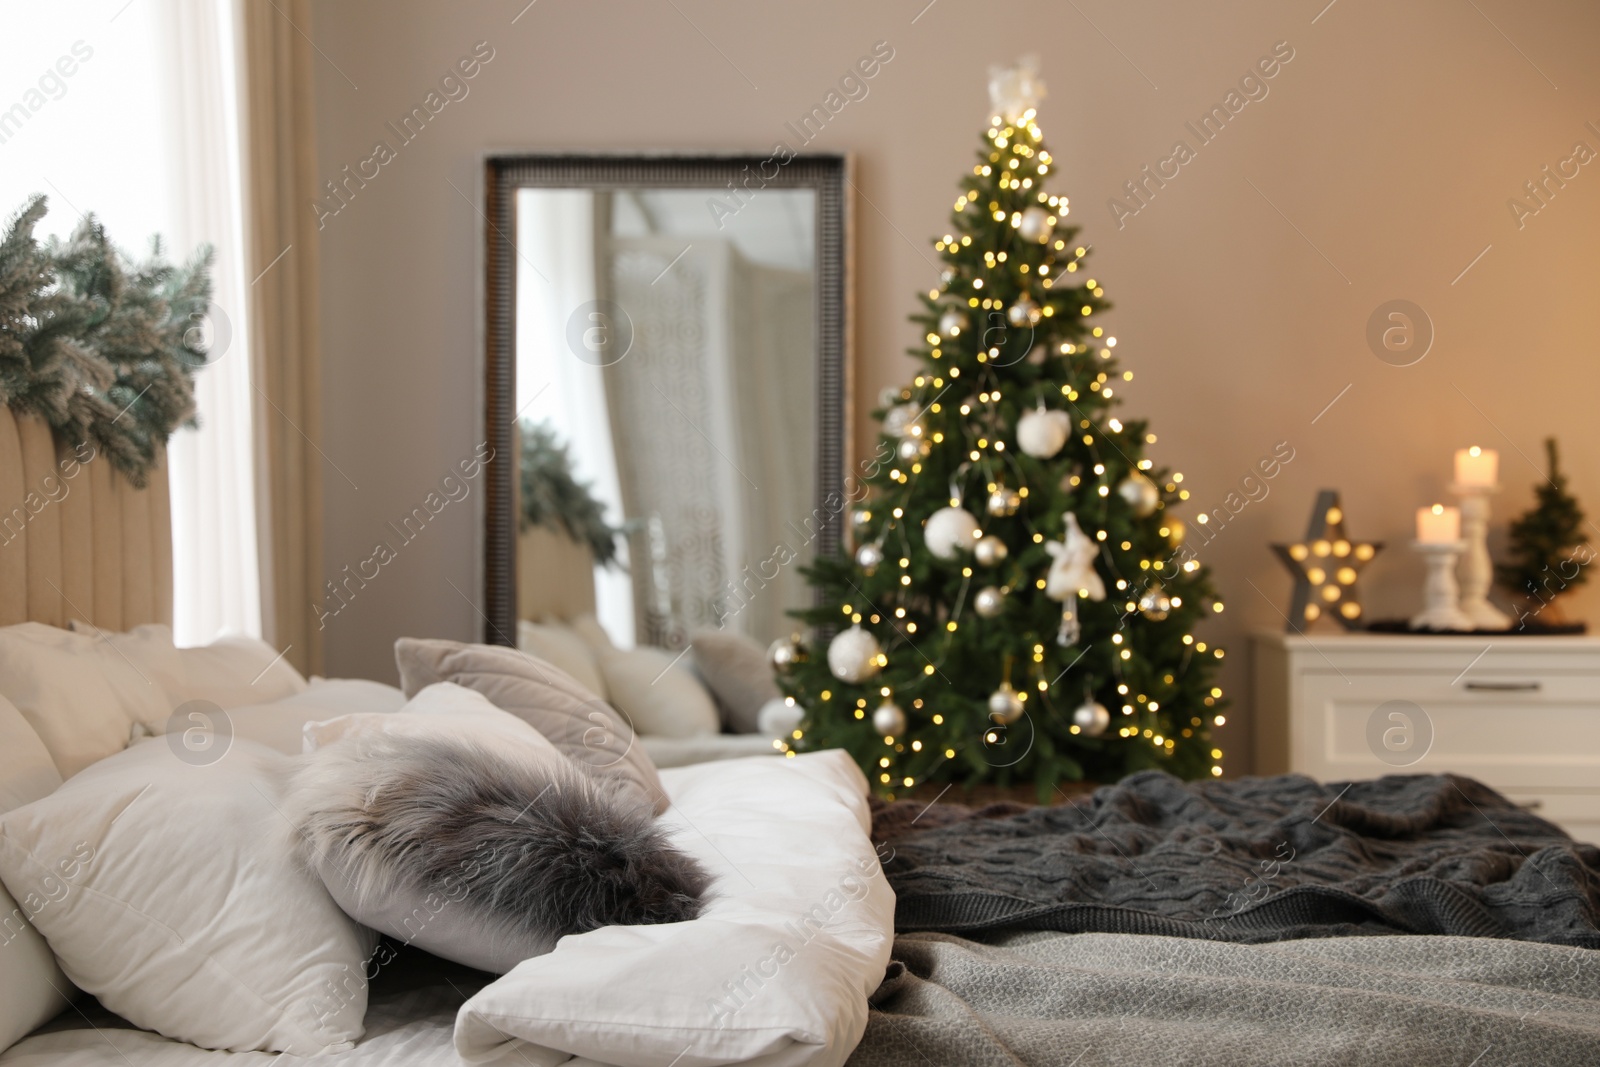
pixel 1438 525
pixel 1477 466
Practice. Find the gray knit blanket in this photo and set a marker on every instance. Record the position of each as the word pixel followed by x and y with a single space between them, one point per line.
pixel 1254 860
pixel 1113 1000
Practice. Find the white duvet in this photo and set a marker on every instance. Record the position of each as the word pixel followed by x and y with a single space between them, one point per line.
pixel 775 972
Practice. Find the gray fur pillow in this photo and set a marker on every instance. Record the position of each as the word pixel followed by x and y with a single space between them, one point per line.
pixel 481 856
pixel 736 671
pixel 583 727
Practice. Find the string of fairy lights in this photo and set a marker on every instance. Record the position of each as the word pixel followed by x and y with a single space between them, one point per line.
pixel 990 463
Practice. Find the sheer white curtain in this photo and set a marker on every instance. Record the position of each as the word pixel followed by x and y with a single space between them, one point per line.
pixel 130 114
pixel 216 584
pixel 555 279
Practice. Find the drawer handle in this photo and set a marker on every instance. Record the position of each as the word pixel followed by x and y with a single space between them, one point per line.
pixel 1506 687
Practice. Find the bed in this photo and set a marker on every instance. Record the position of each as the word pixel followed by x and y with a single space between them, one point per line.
pixel 1152 923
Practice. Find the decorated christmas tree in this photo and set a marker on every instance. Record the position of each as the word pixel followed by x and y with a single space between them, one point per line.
pixel 1017 604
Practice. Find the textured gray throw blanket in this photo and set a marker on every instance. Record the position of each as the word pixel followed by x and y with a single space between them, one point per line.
pixel 1112 1000
pixel 1254 860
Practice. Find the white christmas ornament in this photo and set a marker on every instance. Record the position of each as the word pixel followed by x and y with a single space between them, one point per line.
pixel 1091 717
pixel 1004 501
pixel 784 652
pixel 898 420
pixel 778 718
pixel 1005 706
pixel 1154 603
pixel 1024 312
pixel 912 449
pixel 869 556
pixel 853 656
pixel 1042 433
pixel 989 602
pixel 888 719
pixel 952 322
pixel 1072 565
pixel 989 551
pixel 950 531
pixel 1035 224
pixel 1140 493
pixel 1016 89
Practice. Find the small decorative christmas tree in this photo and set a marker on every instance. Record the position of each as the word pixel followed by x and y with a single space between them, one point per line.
pixel 1545 545
pixel 1018 606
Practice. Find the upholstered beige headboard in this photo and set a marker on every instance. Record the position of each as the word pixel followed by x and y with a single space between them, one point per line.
pixel 76 540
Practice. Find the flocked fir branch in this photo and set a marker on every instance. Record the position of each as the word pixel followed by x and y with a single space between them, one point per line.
pixel 102 347
pixel 1018 606
pixel 552 495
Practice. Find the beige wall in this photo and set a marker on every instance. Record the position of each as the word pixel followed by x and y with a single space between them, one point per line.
pixel 1391 143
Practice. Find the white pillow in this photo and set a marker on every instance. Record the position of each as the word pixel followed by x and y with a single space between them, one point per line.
pixel 280 724
pixel 444 707
pixel 58 681
pixel 802 922
pixel 170 891
pixel 236 672
pixel 35 989
pixel 149 653
pixel 658 696
pixel 562 647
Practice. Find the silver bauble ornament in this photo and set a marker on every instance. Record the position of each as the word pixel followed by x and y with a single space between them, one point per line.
pixel 784 653
pixel 1004 501
pixel 860 517
pixel 1035 225
pixel 854 655
pixel 1091 717
pixel 888 719
pixel 1024 312
pixel 1042 433
pixel 1154 603
pixel 898 420
pixel 869 556
pixel 1038 354
pixel 912 449
pixel 1140 493
pixel 949 532
pixel 989 602
pixel 952 322
pixel 989 551
pixel 947 276
pixel 1005 705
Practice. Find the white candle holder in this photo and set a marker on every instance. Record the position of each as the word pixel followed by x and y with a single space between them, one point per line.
pixel 1441 598
pixel 1477 572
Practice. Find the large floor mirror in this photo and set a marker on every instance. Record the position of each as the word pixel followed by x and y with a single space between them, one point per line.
pixel 667 369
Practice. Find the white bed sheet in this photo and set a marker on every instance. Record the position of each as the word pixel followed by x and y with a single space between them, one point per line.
pixel 412 1027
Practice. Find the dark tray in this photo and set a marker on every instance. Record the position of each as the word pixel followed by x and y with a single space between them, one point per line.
pixel 1530 628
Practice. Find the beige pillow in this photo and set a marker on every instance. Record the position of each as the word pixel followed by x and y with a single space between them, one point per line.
pixel 661 697
pixel 35 989
pixel 736 671
pixel 236 672
pixel 584 727
pixel 593 634
pixel 55 680
pixel 563 647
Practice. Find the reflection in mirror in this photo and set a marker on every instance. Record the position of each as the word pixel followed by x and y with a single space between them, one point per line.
pixel 666 370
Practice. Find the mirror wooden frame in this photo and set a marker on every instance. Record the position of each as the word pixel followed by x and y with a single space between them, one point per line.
pixel 828 175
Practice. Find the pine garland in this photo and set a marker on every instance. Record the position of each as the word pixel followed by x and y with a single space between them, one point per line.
pixel 101 346
pixel 553 496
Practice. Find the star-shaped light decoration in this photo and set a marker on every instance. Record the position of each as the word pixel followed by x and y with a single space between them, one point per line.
pixel 1325 566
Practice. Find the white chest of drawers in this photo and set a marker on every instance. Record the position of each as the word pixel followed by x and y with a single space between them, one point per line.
pixel 1521 714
